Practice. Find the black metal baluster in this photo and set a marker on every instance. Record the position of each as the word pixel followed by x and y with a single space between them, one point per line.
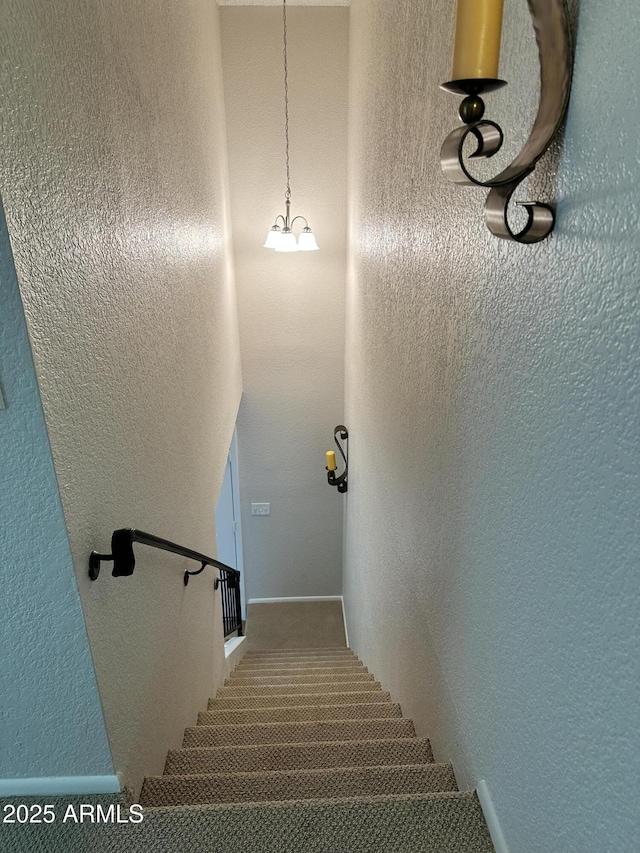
pixel 238 606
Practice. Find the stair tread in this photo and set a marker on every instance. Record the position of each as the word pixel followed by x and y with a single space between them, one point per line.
pixel 448 822
pixel 300 653
pixel 284 689
pixel 297 784
pixel 293 658
pixel 305 678
pixel 303 663
pixel 293 666
pixel 291 756
pixel 297 732
pixel 311 650
pixel 300 658
pixel 348 697
pixel 300 713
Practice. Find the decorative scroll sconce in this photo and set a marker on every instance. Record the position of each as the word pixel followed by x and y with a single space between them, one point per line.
pixel 339 482
pixel 475 70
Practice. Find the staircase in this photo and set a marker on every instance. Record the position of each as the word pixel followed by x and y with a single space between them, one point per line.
pixel 303 752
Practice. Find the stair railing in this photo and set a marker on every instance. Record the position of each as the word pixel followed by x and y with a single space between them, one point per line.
pixel 124 563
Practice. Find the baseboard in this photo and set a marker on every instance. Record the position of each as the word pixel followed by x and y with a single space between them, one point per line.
pixel 294 599
pixel 58 786
pixel 344 620
pixel 234 650
pixel 231 645
pixel 491 817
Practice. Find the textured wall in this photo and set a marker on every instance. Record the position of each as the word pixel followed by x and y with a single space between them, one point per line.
pixel 493 402
pixel 113 175
pixel 291 307
pixel 52 723
pixel 279 3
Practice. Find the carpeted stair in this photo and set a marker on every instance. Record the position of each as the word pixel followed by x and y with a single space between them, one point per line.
pixel 303 752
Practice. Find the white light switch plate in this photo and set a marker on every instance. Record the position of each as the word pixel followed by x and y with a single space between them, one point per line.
pixel 260 509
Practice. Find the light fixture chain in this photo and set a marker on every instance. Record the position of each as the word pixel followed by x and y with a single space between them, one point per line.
pixel 286 97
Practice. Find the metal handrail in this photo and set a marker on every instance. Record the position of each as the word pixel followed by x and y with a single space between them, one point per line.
pixel 124 563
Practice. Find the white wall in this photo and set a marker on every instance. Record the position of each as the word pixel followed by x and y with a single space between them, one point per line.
pixel 114 180
pixel 291 307
pixel 492 397
pixel 52 722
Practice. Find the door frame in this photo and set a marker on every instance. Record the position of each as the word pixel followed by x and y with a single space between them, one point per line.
pixel 232 462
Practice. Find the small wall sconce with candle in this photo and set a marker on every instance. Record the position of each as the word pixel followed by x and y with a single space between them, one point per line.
pixel 475 71
pixel 340 482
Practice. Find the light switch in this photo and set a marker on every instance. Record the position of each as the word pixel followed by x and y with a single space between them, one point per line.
pixel 260 509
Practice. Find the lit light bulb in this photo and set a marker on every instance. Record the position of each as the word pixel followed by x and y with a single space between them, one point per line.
pixel 273 238
pixel 307 241
pixel 287 242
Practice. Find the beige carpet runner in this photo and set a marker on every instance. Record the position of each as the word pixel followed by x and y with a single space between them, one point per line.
pixel 303 752
pixel 299 752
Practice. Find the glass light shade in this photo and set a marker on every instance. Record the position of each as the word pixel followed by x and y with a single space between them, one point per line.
pixel 307 241
pixel 287 242
pixel 273 238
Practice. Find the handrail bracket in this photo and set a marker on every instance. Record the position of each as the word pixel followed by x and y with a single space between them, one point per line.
pixel 188 574
pixel 94 564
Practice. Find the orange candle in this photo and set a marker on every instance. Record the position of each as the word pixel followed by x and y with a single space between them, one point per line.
pixel 331 460
pixel 477 44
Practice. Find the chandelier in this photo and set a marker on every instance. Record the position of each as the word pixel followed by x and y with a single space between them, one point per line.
pixel 281 236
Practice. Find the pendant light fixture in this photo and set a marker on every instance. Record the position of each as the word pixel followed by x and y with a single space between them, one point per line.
pixel 281 237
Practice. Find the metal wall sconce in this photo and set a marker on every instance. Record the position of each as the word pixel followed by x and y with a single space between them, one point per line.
pixel 475 68
pixel 339 482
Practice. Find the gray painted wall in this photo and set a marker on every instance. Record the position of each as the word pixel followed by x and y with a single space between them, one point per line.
pixel 290 306
pixel 493 535
pixel 114 179
pixel 52 723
